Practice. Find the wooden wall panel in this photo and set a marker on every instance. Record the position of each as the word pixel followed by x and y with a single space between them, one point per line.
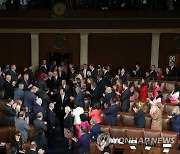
pixel 72 46
pixel 15 49
pixel 118 50
pixel 167 46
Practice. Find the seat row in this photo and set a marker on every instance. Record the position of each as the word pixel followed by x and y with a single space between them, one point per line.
pixel 145 135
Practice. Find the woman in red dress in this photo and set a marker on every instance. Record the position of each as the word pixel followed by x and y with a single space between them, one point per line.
pixel 117 89
pixel 143 90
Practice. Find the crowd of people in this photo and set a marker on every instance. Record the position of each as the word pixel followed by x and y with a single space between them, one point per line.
pixel 55 97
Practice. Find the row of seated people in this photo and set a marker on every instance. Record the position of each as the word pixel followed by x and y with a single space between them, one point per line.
pixel 143 136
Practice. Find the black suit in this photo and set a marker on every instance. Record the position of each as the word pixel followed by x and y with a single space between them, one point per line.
pixel 107 78
pixel 52 123
pixel 9 114
pixel 94 74
pixel 13 74
pixel 125 100
pixel 139 73
pixel 153 74
pixel 60 106
pixel 49 83
pixel 17 145
pixel 100 88
pixel 31 152
pixel 173 72
pixel 8 90
pixel 42 84
pixel 62 75
pixel 56 82
pixel 45 99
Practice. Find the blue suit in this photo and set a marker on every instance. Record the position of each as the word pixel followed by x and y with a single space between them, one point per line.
pixel 37 108
pixel 140 119
pixel 123 78
pixel 94 132
pixel 80 97
pixel 18 94
pixel 83 143
pixel 176 123
pixel 111 115
pixel 29 99
pixel 108 97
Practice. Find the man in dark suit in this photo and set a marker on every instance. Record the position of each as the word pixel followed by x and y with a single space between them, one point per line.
pixel 30 97
pixel 84 141
pixel 39 124
pixel 56 81
pixel 138 71
pixel 19 93
pixel 94 94
pixel 125 98
pixel 13 73
pixel 9 88
pixel 51 123
pixel 38 108
pixel 95 129
pixel 107 76
pixel 61 73
pixel 66 87
pixel 44 67
pixel 9 113
pixel 26 81
pixel 153 73
pixel 100 87
pixel 84 70
pixel 61 102
pixel 33 149
pixel 94 72
pixel 45 98
pixel 173 71
pixel 42 84
pixel 49 81
pixel 79 97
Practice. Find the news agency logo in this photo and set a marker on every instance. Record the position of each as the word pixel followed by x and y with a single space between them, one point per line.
pixel 103 139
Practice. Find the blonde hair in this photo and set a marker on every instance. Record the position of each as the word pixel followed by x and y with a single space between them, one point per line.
pixel 67 109
pixel 177 109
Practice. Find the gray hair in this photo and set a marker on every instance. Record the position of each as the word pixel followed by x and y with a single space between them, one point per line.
pixel 67 109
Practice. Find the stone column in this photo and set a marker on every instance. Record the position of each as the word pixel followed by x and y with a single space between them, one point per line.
pixel 155 49
pixel 35 50
pixel 83 49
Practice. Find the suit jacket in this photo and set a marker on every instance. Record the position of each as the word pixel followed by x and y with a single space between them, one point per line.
pixel 84 143
pixel 107 78
pixel 94 132
pixel 108 97
pixel 13 74
pixel 111 115
pixel 23 127
pixel 56 83
pixel 139 73
pixel 2 81
pixel 80 97
pixel 125 100
pixel 37 108
pixel 51 119
pixel 61 105
pixel 123 78
pixel 18 94
pixel 153 74
pixel 29 99
pixel 49 84
pixel 8 90
pixel 140 119
pixel 45 99
pixel 41 84
pixel 100 88
pixel 67 88
pixel 26 83
pixel 94 74
pixel 63 75
pixel 94 96
pixel 173 72
pixel 39 126
pixel 68 122
pixel 9 114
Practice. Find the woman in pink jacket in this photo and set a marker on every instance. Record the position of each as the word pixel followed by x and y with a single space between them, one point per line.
pixel 156 88
pixel 174 94
pixel 95 112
